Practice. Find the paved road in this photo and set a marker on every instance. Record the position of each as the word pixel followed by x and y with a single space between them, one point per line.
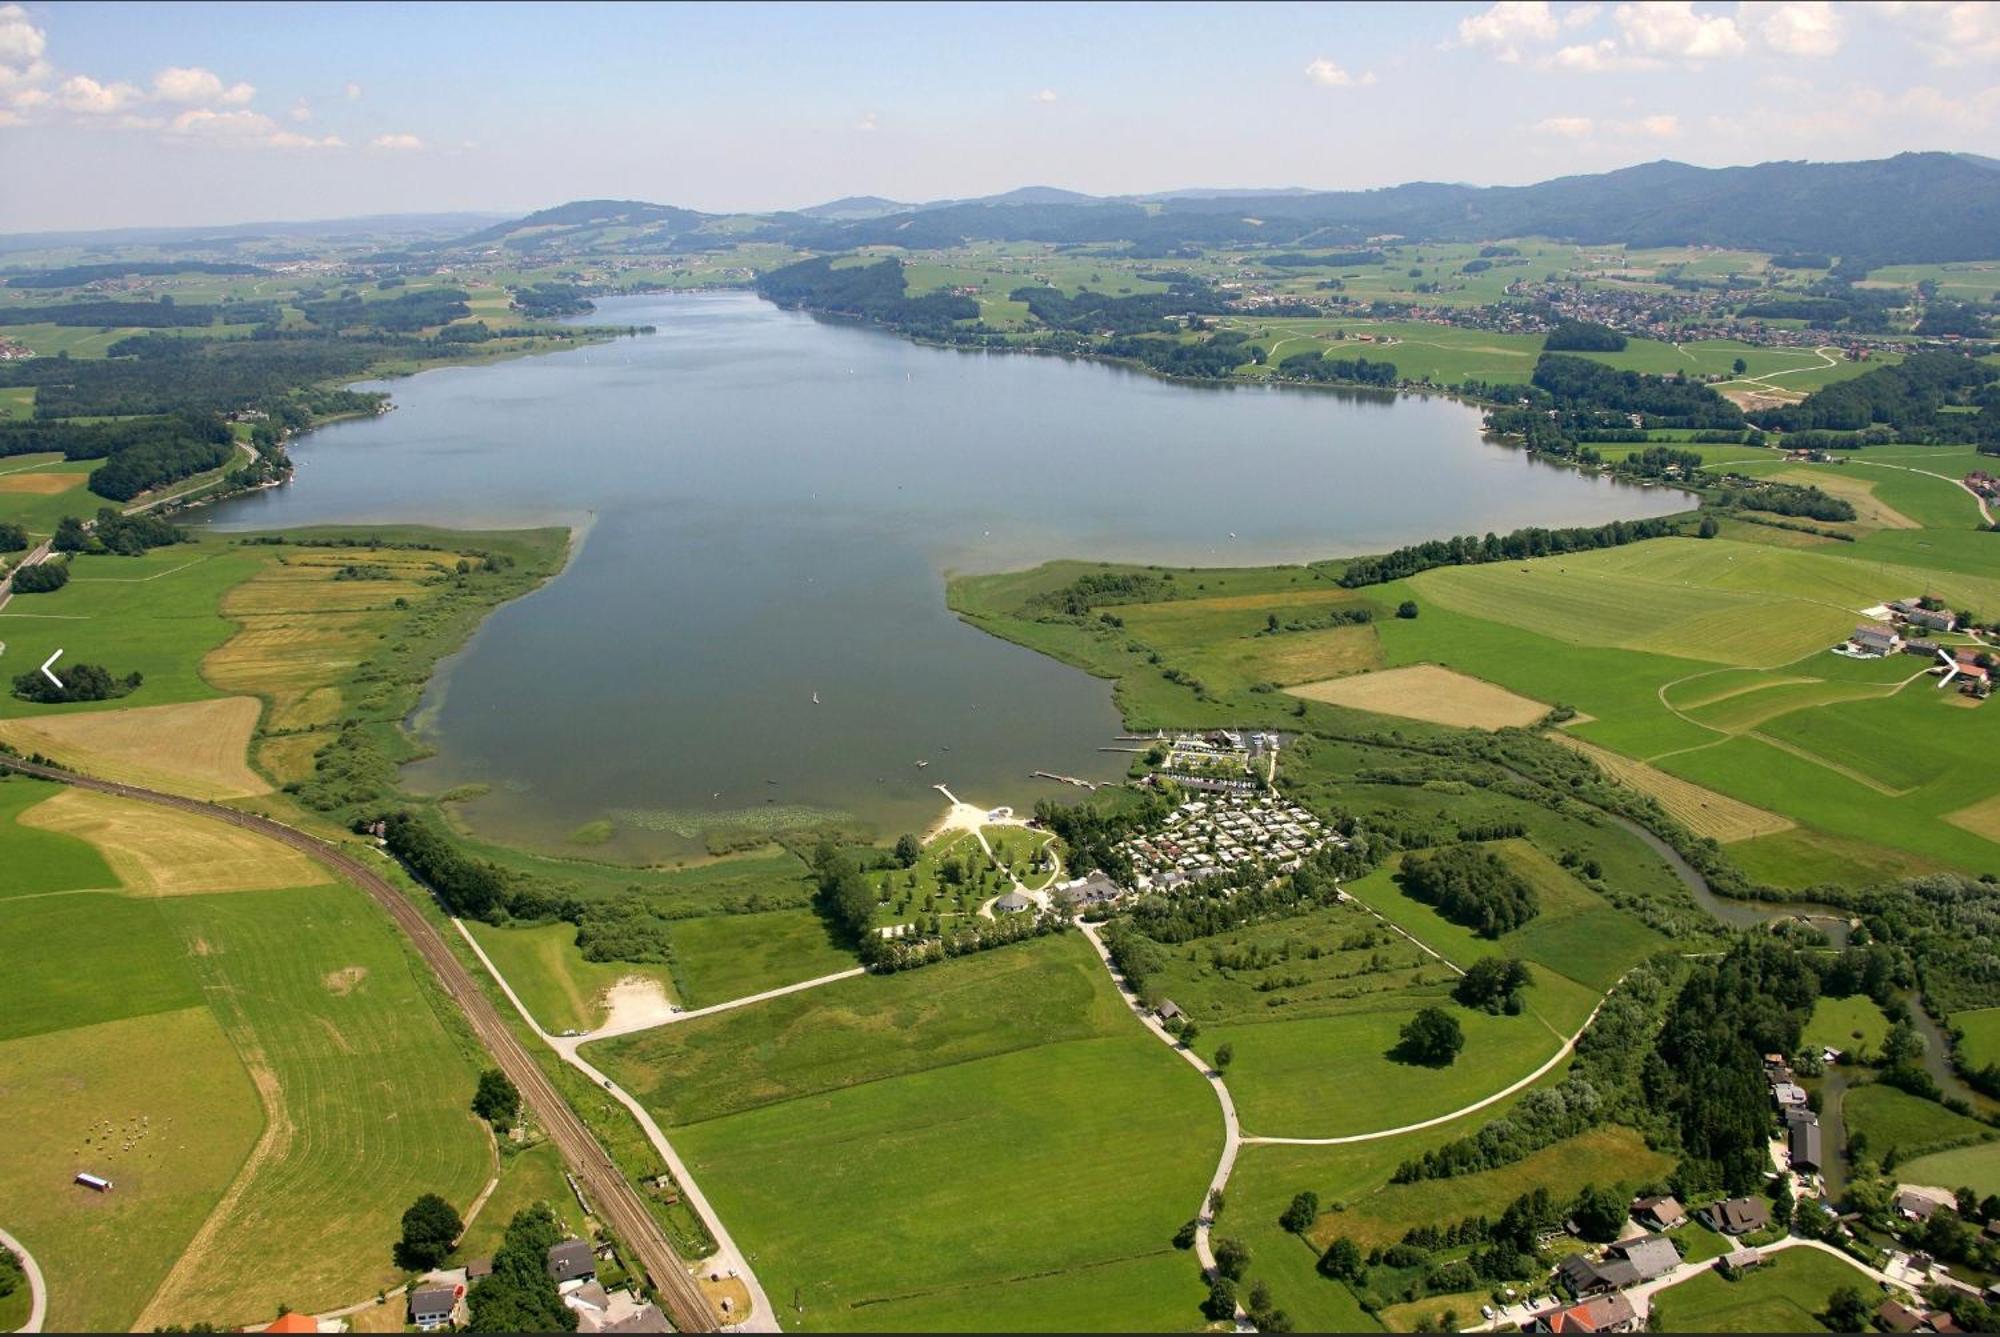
pixel 615 1198
pixel 38 1293
pixel 40 554
pixel 1232 1129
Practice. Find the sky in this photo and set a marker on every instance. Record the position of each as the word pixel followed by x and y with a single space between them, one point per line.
pixel 133 114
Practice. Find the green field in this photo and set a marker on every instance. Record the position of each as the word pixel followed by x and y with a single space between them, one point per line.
pixel 36 491
pixel 1890 1118
pixel 1981 1030
pixel 158 614
pixel 548 973
pixel 1975 1167
pixel 1013 1080
pixel 1786 1293
pixel 1854 1025
pixel 527 1176
pixel 40 862
pixel 720 957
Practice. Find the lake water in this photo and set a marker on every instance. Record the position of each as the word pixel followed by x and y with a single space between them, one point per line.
pixel 769 506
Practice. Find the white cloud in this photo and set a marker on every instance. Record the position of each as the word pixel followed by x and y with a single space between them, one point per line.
pixel 1328 74
pixel 1672 30
pixel 1657 127
pixel 243 127
pixel 301 110
pixel 21 48
pixel 1046 95
pixel 82 94
pixel 289 139
pixel 868 121
pixel 194 86
pixel 1810 29
pixel 1581 16
pixel 1508 24
pixel 1592 58
pixel 353 91
pixel 401 143
pixel 1568 127
pixel 1962 33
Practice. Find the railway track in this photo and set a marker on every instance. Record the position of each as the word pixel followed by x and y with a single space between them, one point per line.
pixel 615 1200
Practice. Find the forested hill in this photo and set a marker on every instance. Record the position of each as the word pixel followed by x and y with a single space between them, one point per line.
pixel 1915 207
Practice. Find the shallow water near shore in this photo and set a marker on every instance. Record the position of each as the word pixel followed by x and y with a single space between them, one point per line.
pixel 774 503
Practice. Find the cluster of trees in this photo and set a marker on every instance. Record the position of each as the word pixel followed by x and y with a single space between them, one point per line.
pixel 13 537
pixel 80 682
pixel 1710 1077
pixel 520 1295
pixel 431 1226
pixel 544 300
pixel 1091 831
pixel 163 314
pixel 1579 387
pixel 1092 312
pixel 1501 1251
pixel 877 292
pixel 1432 1038
pixel 1096 588
pixel 889 955
pixel 1333 617
pixel 74 276
pixel 1583 336
pixel 404 313
pixel 471 888
pixel 497 1100
pixel 139 453
pixel 1789 499
pixel 1907 397
pixel 115 532
pixel 623 928
pixel 41 578
pixel 1493 984
pixel 1953 320
pixel 1212 359
pixel 160 373
pixel 1542 1118
pixel 1470 885
pixel 1315 365
pixel 1519 545
pixel 1328 259
pixel 1661 462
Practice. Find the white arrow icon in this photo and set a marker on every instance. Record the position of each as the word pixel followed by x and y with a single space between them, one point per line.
pixel 45 669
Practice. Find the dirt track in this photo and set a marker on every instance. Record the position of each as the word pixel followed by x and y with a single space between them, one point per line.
pixel 614 1199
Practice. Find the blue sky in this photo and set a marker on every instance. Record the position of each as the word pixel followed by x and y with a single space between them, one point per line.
pixel 126 114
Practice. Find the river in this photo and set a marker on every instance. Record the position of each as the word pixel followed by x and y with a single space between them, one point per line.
pixel 768 507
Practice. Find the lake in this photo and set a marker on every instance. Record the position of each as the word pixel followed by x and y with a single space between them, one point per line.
pixel 768 506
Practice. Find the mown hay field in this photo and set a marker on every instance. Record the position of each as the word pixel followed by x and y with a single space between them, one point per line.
pixel 1702 811
pixel 1428 692
pixel 159 851
pixel 197 748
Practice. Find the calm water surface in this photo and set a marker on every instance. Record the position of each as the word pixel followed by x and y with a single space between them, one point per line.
pixel 769 506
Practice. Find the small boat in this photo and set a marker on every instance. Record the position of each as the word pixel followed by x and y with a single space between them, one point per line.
pixel 922 764
pixel 815 698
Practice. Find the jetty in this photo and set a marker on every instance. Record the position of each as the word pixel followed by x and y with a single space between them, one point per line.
pixel 1063 779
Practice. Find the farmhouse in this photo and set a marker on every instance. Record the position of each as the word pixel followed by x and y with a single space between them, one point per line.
pixel 1743 1258
pixel 1661 1212
pixel 1169 1010
pixel 1092 892
pixel 1874 642
pixel 1606 1313
pixel 1736 1216
pixel 571 1261
pixel 1916 614
pixel 598 1310
pixel 292 1322
pixel 1649 1255
pixel 1789 1095
pixel 1915 1205
pixel 1581 1277
pixel 434 1307
pixel 1805 1145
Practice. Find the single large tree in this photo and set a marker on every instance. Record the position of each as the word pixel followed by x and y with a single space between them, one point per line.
pixel 1433 1038
pixel 497 1100
pixel 430 1227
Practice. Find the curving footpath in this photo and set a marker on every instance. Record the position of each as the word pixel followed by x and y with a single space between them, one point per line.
pixel 38 1293
pixel 727 1259
pixel 618 1202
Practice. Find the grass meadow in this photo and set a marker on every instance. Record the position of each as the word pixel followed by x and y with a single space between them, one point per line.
pixel 1981 1032
pixel 1786 1293
pixel 1041 1146
pixel 562 991
pixel 1853 1025
pixel 1975 1167
pixel 1890 1118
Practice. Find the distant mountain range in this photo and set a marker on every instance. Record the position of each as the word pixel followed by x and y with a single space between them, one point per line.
pixel 1912 208
pixel 1915 207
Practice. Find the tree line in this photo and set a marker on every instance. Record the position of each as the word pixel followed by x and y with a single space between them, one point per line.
pixel 1518 545
pixel 1470 885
